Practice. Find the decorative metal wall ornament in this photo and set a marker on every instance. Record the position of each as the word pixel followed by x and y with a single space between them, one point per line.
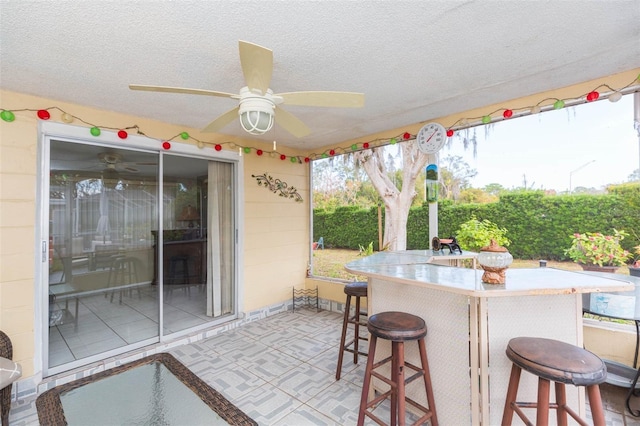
pixel 278 187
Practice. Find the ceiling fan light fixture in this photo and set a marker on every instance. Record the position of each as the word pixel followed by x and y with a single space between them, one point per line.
pixel 256 114
pixel 256 122
pixel 110 177
pixel 110 173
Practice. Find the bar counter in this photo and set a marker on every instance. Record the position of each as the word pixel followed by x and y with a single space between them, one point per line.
pixel 470 323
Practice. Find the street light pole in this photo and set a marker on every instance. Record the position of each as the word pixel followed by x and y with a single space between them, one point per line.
pixel 579 168
pixel 636 123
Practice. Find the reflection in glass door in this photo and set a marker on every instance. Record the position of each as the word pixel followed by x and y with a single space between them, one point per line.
pixel 113 260
pixel 197 246
pixel 102 210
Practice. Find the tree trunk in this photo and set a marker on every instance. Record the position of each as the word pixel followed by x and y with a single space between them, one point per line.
pixel 395 226
pixel 396 202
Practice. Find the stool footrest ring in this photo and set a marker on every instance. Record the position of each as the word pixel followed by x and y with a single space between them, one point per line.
pixel 353 351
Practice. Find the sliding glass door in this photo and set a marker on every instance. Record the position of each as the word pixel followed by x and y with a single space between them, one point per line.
pixel 197 242
pixel 141 245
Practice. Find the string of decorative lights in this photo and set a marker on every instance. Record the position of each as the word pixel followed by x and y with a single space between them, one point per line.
pixel 547 104
pixel 500 114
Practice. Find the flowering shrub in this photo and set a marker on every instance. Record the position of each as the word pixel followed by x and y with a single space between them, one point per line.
pixel 598 249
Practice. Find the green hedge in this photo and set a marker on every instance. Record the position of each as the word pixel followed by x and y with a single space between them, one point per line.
pixel 346 227
pixel 539 226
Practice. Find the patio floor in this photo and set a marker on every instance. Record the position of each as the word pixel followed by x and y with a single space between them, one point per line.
pixel 281 371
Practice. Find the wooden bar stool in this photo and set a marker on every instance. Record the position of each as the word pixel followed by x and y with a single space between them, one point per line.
pixel 357 290
pixel 397 327
pixel 122 272
pixel 179 270
pixel 558 362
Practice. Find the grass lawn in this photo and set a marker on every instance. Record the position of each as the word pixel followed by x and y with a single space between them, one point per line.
pixel 330 263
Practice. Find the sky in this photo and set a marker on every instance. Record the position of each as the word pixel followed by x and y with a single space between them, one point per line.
pixel 552 148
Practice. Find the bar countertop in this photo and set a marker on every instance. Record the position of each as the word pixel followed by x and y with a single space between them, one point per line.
pixel 415 267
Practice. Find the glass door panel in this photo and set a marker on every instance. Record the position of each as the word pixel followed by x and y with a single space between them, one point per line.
pixel 102 211
pixel 113 259
pixel 197 250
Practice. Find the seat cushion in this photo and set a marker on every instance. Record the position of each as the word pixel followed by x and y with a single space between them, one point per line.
pixel 557 361
pixel 358 289
pixel 397 326
pixel 9 372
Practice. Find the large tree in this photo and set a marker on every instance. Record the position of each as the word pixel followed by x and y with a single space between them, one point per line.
pixel 455 174
pixel 339 181
pixel 397 201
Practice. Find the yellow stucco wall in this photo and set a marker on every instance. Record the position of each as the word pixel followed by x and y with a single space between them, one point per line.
pixel 614 342
pixel 327 289
pixel 276 237
pixel 276 251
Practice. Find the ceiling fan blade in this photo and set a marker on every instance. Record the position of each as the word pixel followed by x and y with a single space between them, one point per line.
pixel 257 65
pixel 291 123
pixel 222 121
pixel 324 99
pixel 180 90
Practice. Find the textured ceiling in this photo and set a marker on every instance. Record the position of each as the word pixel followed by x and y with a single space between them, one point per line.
pixel 413 60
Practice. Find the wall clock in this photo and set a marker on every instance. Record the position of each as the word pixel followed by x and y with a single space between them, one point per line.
pixel 431 138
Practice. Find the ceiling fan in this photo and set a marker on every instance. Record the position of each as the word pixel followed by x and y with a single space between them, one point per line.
pixel 258 106
pixel 109 164
pixel 113 168
pixel 113 162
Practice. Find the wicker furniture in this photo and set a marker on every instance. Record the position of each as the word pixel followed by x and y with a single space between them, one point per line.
pixel 13 373
pixel 51 404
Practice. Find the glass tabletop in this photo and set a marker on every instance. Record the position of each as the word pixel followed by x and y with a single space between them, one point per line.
pixel 622 305
pixel 616 304
pixel 148 394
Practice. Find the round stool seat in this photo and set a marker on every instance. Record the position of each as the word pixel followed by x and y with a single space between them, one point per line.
pixel 557 361
pixel 397 326
pixel 357 289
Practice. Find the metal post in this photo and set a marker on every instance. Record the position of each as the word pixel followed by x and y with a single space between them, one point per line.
pixel 579 168
pixel 433 207
pixel 636 123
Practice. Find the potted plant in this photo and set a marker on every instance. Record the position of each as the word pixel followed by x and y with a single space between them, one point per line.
pixel 475 234
pixel 634 267
pixel 598 252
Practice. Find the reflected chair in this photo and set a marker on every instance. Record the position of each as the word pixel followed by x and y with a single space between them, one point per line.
pixel 123 273
pixel 103 256
pixel 179 274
